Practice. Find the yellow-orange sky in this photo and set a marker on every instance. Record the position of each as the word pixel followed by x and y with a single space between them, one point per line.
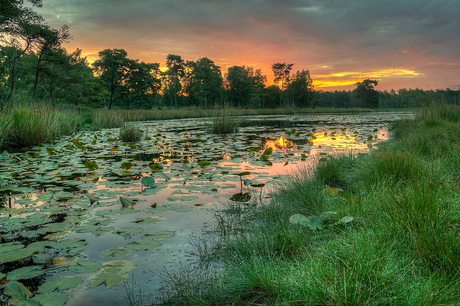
pixel 412 44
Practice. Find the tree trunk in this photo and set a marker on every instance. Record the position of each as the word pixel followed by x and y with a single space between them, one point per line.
pixel 175 91
pixel 36 73
pixel 12 72
pixel 281 96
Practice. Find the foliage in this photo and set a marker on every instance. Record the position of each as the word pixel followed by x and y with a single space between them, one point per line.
pixel 281 72
pixel 300 89
pixel 206 82
pixel 366 93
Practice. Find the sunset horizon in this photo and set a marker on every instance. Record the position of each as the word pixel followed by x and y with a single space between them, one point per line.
pixel 403 45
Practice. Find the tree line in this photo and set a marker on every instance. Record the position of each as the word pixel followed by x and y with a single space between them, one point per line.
pixel 34 63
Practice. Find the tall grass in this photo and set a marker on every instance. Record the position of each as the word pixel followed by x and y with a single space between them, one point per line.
pixel 27 124
pixel 401 248
pixel 222 120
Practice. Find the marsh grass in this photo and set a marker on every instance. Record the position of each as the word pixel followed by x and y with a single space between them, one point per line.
pixel 130 132
pixel 402 247
pixel 26 124
pixel 222 120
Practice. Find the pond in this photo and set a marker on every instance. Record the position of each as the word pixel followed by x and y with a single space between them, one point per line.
pixel 88 212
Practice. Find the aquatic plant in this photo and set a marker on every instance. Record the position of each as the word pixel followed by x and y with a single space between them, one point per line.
pixel 222 120
pixel 130 132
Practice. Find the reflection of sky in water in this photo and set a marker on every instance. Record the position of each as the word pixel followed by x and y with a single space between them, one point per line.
pixel 314 135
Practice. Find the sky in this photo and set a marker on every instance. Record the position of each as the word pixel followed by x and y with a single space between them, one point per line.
pixel 403 44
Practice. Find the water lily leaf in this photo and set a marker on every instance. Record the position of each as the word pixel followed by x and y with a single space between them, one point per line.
pixel 147 220
pixel 347 219
pixel 204 163
pixel 85 267
pixel 370 138
pixel 15 255
pixel 268 151
pixel 263 157
pixel 51 299
pixel 145 243
pixel 254 149
pixel 117 252
pixel 92 199
pixel 242 173
pixel 19 294
pixel 162 174
pixel 24 273
pixel 298 219
pixel 91 166
pixel 314 223
pixel 72 245
pixel 155 167
pixel 127 232
pixel 113 274
pixel 126 165
pixel 148 181
pixel 59 284
pixel 126 202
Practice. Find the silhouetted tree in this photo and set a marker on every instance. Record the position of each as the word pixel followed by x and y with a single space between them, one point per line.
pixel 281 72
pixel 366 93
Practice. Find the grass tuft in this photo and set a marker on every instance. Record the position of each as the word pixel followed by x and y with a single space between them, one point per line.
pixel 130 133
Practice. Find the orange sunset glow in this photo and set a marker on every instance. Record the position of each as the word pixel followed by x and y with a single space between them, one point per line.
pixel 339 43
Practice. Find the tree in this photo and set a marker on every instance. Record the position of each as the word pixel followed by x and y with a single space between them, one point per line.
pixel 366 93
pixel 48 39
pixel 206 81
pixel 300 89
pixel 175 63
pixel 21 26
pixel 113 68
pixel 143 84
pixel 239 85
pixel 281 71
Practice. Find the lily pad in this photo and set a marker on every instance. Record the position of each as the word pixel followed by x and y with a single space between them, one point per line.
pixel 126 165
pixel 145 243
pixel 125 202
pixel 147 220
pixel 91 166
pixel 51 299
pixel 148 181
pixel 204 163
pixel 64 283
pixel 24 273
pixel 127 232
pixel 117 252
pixel 72 245
pixel 20 295
pixel 85 267
pixel 113 273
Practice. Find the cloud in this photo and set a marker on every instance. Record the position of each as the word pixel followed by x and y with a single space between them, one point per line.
pixel 326 37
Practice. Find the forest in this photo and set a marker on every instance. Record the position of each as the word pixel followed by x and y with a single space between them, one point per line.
pixel 35 65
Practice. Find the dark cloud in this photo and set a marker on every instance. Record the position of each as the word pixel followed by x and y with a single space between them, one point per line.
pixel 327 37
